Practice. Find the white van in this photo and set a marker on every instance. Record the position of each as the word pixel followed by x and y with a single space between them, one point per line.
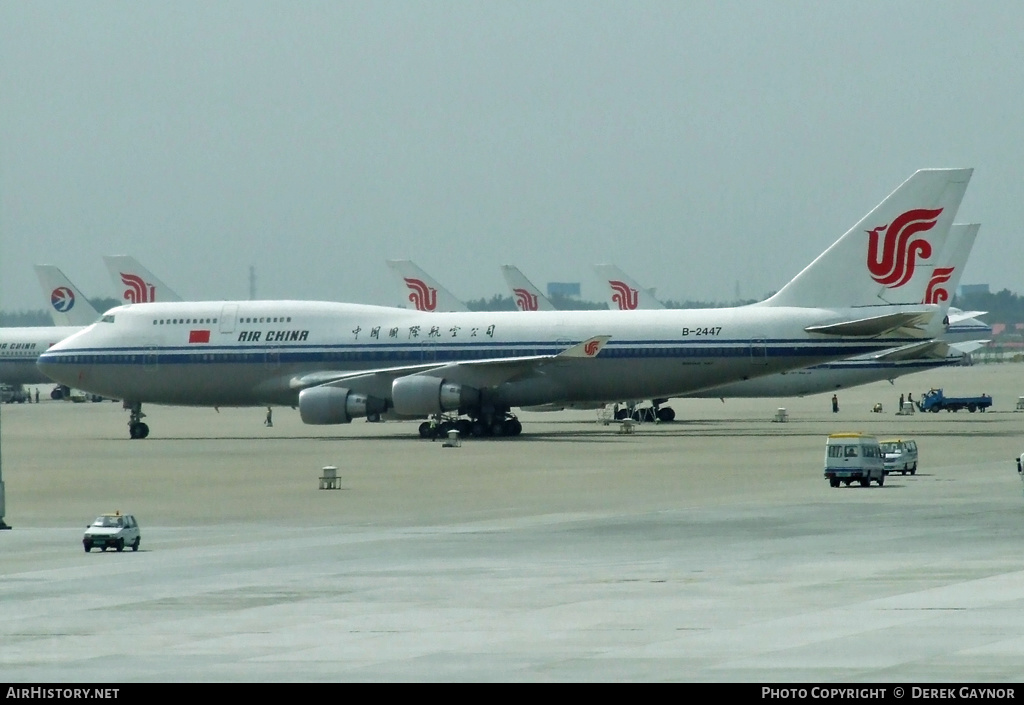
pixel 853 456
pixel 900 455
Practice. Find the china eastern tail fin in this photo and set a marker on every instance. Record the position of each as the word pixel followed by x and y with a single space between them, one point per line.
pixel 525 295
pixel 624 293
pixel 889 256
pixel 66 304
pixel 422 290
pixel 135 284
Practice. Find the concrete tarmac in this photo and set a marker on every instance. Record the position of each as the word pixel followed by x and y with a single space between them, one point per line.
pixel 708 549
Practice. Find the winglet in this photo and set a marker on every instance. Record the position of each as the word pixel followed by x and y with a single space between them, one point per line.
pixel 588 348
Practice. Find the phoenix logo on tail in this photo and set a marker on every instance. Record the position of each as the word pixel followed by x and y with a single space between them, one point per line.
pixel 62 299
pixel 936 294
pixel 423 297
pixel 625 296
pixel 525 301
pixel 591 348
pixel 894 265
pixel 138 291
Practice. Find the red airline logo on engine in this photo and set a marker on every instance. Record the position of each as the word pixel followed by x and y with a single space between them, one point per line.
pixel 894 265
pixel 623 295
pixel 423 297
pixel 935 294
pixel 198 336
pixel 525 301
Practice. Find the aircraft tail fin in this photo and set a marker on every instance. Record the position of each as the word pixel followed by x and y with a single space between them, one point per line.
pixel 422 290
pixel 526 296
pixel 140 285
pixel 624 293
pixel 889 256
pixel 67 305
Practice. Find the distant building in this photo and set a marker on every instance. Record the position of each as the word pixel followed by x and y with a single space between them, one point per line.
pixel 565 289
pixel 970 289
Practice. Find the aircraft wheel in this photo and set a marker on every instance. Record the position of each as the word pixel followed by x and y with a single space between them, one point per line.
pixel 144 430
pixel 517 427
pixel 424 429
pixel 465 427
pixel 133 430
pixel 666 413
pixel 498 428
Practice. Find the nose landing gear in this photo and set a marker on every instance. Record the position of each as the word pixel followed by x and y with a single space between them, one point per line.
pixel 136 427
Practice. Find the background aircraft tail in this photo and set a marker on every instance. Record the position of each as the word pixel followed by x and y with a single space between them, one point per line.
pixel 135 284
pixel 624 293
pixel 525 295
pixel 422 290
pixel 66 304
pixel 888 256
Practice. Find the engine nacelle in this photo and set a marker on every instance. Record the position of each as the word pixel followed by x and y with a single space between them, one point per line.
pixel 330 405
pixel 421 396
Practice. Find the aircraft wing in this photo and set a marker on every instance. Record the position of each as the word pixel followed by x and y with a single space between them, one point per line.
pixel 906 322
pixel 473 372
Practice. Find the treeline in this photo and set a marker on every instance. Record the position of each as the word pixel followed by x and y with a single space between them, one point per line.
pixel 31 319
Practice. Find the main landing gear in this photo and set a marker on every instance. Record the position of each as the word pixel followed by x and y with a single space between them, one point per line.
pixel 136 427
pixel 646 413
pixel 486 425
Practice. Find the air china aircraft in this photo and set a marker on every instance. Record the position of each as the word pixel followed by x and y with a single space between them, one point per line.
pixel 141 285
pixel 336 361
pixel 20 347
pixel 424 293
pixel 961 335
pixel 526 296
pixel 624 294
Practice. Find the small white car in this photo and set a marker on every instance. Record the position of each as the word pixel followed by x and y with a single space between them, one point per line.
pixel 112 531
pixel 900 456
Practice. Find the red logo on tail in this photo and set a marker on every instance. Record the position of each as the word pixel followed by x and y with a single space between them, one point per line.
pixel 935 294
pixel 623 295
pixel 423 297
pixel 894 265
pixel 591 348
pixel 525 301
pixel 138 291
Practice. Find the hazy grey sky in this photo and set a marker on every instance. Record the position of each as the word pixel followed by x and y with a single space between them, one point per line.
pixel 697 144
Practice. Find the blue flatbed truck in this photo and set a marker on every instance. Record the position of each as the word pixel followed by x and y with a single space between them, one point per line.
pixel 935 401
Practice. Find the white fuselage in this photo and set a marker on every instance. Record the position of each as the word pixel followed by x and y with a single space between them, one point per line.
pixel 264 352
pixel 20 349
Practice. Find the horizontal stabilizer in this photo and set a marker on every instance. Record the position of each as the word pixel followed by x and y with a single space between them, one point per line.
pixel 931 349
pixel 969 346
pixel 957 316
pixel 907 321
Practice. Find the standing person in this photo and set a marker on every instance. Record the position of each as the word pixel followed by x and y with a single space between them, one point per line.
pixel 901 404
pixel 835 404
pixel 37 395
pixel 270 417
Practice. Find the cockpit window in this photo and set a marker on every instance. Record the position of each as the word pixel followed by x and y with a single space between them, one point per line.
pixel 108 318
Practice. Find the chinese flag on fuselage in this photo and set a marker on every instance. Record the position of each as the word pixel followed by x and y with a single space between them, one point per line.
pixel 199 336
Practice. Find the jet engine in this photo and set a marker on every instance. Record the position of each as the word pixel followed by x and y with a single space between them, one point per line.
pixel 422 396
pixel 330 405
